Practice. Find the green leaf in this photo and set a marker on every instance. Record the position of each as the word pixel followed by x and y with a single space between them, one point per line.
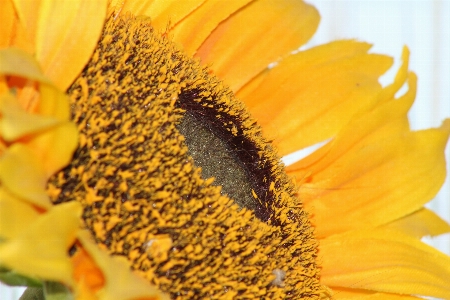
pixel 50 291
pixel 57 291
pixel 12 278
pixel 33 293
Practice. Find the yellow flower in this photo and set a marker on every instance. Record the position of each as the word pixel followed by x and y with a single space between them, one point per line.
pixel 144 112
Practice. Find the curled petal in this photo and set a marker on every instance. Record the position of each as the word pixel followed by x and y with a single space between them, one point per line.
pixel 23 175
pixel 88 276
pixel 15 215
pixel 55 147
pixel 16 123
pixel 120 282
pixel 38 115
pixel 50 101
pixel 16 62
pixel 42 249
pixel 53 103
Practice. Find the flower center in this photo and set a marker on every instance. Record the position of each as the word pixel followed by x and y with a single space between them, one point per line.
pixel 144 110
pixel 216 159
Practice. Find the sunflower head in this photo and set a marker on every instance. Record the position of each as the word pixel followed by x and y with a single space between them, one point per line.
pixel 151 180
pixel 143 194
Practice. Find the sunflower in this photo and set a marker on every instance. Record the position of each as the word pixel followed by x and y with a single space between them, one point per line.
pixel 130 170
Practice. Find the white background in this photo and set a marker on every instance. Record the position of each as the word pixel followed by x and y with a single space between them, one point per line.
pixel 422 25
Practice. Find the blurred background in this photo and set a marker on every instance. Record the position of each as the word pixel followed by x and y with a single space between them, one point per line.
pixel 422 25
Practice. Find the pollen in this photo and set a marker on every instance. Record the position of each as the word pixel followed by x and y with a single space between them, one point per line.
pixel 146 198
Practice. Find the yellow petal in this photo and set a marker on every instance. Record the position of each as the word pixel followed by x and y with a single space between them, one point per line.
pixel 121 282
pixel 22 174
pixel 42 249
pixel 16 123
pixel 27 12
pixel 19 63
pixel 9 21
pixel 15 215
pixel 308 97
pixel 353 181
pixel 194 29
pixel 13 32
pixel 163 13
pixel 386 261
pixel 378 179
pixel 264 31
pixel 84 293
pixel 421 223
pixel 355 294
pixel 88 276
pixel 38 115
pixel 114 7
pixel 55 148
pixel 40 97
pixel 53 103
pixel 383 122
pixel 4 88
pixel 67 34
pixel 368 175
